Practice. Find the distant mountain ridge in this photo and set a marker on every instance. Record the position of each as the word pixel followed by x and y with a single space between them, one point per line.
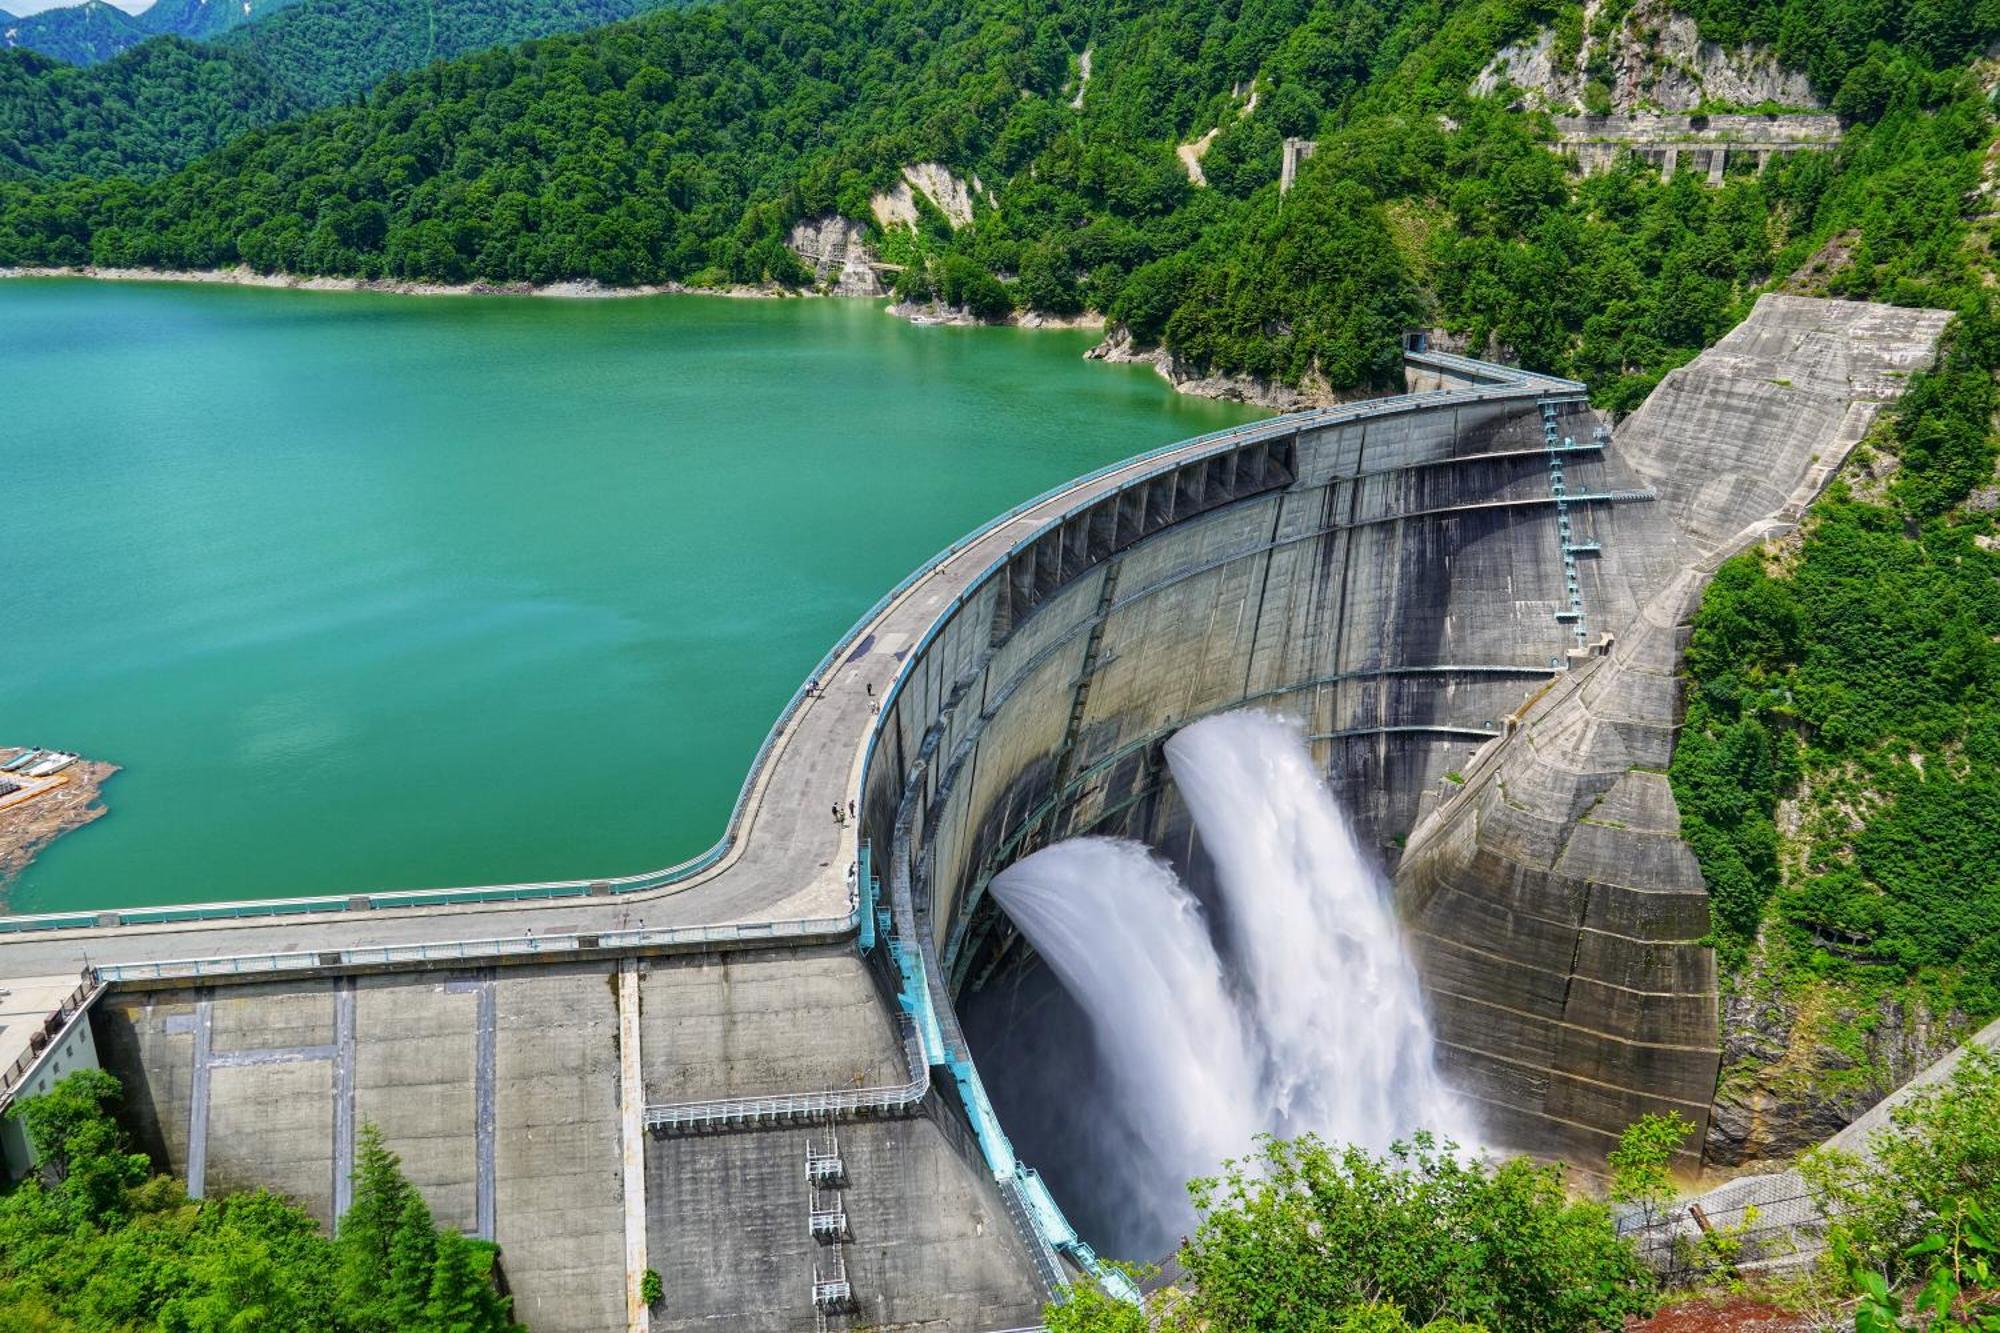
pixel 162 103
pixel 94 31
pixel 77 34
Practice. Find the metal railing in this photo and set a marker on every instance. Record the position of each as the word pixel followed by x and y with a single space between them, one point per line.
pixel 785 1109
pixel 512 946
pixel 1687 1244
pixel 62 1015
pixel 726 1113
pixel 1501 383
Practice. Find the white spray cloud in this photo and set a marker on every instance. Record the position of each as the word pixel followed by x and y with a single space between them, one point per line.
pixel 1316 1022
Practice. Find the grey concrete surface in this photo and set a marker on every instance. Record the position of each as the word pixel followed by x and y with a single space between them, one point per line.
pixel 930 1241
pixel 560 1166
pixel 415 1044
pixel 744 1025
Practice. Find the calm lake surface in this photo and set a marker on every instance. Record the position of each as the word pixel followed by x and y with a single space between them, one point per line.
pixel 370 592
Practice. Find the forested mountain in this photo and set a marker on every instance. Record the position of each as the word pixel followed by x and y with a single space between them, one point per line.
pixel 93 31
pixel 163 103
pixel 327 50
pixel 682 146
pixel 79 34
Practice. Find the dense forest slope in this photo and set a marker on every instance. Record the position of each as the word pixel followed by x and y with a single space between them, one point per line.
pixel 159 104
pixel 326 50
pixel 165 102
pixel 684 145
pixel 1836 773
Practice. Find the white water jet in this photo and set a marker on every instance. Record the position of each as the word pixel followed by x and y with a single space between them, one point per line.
pixel 1131 944
pixel 1314 939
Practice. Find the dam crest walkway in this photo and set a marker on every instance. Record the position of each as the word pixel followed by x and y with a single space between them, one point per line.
pixel 783 870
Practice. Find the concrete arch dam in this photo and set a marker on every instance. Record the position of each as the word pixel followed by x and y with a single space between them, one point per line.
pixel 1473 596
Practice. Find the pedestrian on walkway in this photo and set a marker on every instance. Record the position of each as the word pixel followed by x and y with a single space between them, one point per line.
pixel 850 809
pixel 836 813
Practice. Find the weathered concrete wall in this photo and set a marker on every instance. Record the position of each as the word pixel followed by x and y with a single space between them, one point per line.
pixel 929 1240
pixel 265 1085
pixel 499 1089
pixel 1705 143
pixel 1393 580
pixel 1557 914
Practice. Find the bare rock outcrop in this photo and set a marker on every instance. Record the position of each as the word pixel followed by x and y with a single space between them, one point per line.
pixel 1787 1084
pixel 1655 59
pixel 952 196
pixel 1313 391
pixel 836 250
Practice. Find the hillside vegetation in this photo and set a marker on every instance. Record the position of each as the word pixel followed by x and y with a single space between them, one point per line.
pixel 159 104
pixel 682 146
pixel 163 103
pixel 95 1241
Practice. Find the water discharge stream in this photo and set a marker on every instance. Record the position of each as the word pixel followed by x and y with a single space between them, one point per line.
pixel 1123 935
pixel 1300 1013
pixel 1313 934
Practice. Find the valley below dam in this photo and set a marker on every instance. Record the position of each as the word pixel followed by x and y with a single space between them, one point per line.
pixel 367 592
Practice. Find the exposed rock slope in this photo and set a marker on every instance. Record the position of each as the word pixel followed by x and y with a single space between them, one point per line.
pixel 1654 59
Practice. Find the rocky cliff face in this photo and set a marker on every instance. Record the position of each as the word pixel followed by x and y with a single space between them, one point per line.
pixel 936 183
pixel 1799 1067
pixel 836 250
pixel 1654 59
pixel 1118 346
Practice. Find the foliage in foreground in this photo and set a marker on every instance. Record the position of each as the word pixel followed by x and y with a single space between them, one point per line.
pixel 1305 1238
pixel 1913 1229
pixel 1939 1154
pixel 94 1241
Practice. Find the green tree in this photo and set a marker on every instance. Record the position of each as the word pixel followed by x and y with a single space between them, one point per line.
pixel 79 1148
pixel 1304 1237
pixel 1641 1164
pixel 1938 1157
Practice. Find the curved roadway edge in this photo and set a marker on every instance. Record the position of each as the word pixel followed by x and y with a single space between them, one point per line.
pixel 782 863
pixel 784 869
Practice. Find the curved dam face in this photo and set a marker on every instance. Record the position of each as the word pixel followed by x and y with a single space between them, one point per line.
pixel 1473 598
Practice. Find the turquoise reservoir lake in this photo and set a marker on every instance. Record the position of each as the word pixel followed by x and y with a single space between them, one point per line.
pixel 369 592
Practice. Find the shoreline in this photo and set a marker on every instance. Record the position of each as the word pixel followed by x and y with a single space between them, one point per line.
pixel 242 276
pixel 1115 347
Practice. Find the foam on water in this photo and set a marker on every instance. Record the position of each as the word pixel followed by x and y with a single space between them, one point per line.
pixel 1314 937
